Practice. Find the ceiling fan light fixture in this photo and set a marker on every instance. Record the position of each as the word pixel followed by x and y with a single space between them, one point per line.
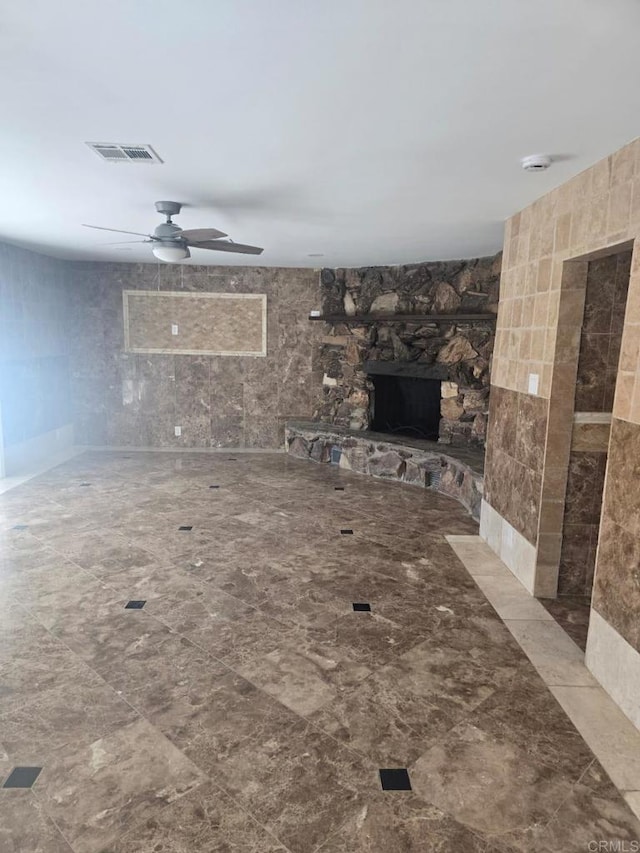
pixel 170 254
pixel 170 243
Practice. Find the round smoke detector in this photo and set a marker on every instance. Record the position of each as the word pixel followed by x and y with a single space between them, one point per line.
pixel 536 162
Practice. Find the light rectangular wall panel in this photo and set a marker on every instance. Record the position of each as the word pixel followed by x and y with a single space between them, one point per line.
pixel 207 323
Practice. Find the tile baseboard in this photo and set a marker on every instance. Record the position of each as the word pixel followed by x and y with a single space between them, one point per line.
pixel 615 664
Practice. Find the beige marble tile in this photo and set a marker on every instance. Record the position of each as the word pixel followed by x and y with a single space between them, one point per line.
pixel 510 599
pixel 320 784
pixel 556 657
pixel 405 707
pixel 25 826
pixel 207 323
pixel 632 799
pixel 203 820
pixel 586 817
pixel 305 681
pixel 97 793
pixel 210 725
pixel 615 663
pixel 404 824
pixel 611 736
pixel 476 555
pixel 485 782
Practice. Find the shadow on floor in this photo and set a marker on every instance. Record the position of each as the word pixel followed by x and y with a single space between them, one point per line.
pixel 571 612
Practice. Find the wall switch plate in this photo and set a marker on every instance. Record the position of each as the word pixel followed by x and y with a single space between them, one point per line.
pixel 174 328
pixel 533 383
pixel 177 430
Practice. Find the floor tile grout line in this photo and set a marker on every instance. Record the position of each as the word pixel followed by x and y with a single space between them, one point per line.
pixel 142 716
pixel 213 658
pixel 331 835
pixel 577 782
pixel 342 744
pixel 226 665
pixel 234 800
pixel 170 563
pixel 150 613
pixel 123 699
pixel 200 581
pixel 52 819
pixel 551 687
pixel 547 822
pixel 548 621
pixel 259 688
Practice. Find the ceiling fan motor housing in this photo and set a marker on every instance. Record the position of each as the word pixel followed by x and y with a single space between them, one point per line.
pixel 170 243
pixel 168 208
pixel 167 231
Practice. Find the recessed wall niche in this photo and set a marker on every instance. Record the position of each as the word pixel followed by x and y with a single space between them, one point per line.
pixel 186 323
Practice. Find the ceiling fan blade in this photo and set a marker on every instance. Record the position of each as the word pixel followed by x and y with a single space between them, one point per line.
pixel 224 246
pixel 116 230
pixel 123 242
pixel 199 235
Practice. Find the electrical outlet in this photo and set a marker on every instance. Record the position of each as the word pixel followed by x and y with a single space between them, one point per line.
pixel 177 431
pixel 174 328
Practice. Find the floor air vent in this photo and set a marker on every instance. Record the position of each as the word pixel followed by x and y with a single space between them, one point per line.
pixel 433 479
pixel 114 152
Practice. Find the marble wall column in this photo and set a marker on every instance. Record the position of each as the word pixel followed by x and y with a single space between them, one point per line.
pixel 606 290
pixel 542 298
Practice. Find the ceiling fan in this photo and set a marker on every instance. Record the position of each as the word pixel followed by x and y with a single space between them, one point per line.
pixel 171 244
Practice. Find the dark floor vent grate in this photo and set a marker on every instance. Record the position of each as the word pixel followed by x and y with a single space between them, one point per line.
pixel 433 479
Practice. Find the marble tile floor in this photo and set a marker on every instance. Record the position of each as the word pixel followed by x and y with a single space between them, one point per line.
pixel 560 662
pixel 246 706
pixel 571 612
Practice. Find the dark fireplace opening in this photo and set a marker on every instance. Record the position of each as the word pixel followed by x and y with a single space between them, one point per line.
pixel 406 405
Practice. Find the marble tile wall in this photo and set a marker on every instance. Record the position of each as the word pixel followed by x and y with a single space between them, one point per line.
pixel 548 247
pixel 607 288
pixel 555 255
pixel 591 435
pixel 581 522
pixel 132 399
pixel 195 323
pixel 34 368
pixel 596 210
pixel 616 592
pixel 514 458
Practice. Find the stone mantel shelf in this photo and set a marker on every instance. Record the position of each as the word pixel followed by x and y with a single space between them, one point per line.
pixel 366 319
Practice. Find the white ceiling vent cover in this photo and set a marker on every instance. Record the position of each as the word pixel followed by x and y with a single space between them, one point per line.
pixel 114 152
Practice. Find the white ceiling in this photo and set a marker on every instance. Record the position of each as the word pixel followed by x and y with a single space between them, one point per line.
pixel 371 131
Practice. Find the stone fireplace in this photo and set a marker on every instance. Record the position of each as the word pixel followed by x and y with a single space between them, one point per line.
pixel 405 405
pixel 418 339
pixel 405 399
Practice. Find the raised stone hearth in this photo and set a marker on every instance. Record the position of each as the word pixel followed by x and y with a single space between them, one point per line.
pixel 457 472
pixel 457 350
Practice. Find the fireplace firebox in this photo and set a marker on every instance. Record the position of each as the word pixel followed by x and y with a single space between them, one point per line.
pixel 406 405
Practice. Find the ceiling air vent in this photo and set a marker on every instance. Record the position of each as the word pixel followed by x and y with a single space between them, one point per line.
pixel 113 152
